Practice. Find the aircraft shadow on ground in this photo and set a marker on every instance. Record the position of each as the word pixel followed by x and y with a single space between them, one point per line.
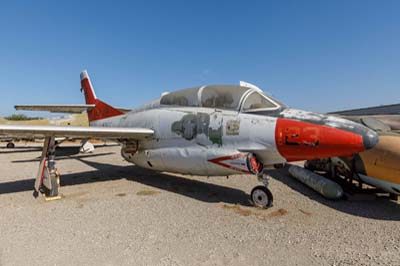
pixel 202 191
pixel 195 189
pixel 379 208
pixel 20 150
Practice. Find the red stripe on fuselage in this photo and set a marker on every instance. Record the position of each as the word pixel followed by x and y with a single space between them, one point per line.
pixel 219 161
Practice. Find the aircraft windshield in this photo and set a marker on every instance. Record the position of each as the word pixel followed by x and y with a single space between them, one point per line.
pixel 220 97
pixel 256 101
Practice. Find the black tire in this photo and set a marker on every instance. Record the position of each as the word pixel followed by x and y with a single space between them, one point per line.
pixel 308 166
pixel 394 197
pixel 261 197
pixel 10 145
pixel 279 165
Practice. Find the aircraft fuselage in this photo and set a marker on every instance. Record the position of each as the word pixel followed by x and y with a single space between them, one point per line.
pixel 214 142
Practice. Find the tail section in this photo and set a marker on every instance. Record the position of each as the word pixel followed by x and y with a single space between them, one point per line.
pixel 87 88
pixel 101 110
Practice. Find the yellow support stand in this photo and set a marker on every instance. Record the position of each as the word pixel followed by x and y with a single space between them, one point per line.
pixel 52 198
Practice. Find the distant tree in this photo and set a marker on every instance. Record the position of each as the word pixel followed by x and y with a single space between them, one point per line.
pixel 20 117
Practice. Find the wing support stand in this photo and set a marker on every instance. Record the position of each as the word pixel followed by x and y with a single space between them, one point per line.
pixel 47 179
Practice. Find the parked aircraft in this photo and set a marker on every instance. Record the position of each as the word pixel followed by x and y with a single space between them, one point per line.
pixel 214 130
pixel 378 167
pixel 10 142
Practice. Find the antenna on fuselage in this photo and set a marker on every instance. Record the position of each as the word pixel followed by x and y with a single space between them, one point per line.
pixel 251 86
pixel 254 87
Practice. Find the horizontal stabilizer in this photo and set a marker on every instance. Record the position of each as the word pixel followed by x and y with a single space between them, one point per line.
pixel 61 108
pixel 77 132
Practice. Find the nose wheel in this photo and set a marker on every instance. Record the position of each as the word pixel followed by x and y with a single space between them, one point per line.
pixel 261 197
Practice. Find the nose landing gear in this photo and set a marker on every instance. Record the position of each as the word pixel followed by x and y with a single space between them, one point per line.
pixel 261 196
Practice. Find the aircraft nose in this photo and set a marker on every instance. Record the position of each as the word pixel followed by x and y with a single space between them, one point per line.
pixel 370 139
pixel 302 135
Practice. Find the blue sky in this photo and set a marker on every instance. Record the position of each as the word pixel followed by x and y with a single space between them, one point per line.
pixel 315 55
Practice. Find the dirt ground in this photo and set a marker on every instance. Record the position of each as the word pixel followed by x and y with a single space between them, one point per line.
pixel 113 213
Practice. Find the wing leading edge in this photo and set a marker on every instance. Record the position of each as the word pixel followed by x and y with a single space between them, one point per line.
pixel 392 109
pixel 77 132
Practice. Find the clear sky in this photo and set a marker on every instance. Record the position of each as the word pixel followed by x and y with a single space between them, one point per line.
pixel 315 55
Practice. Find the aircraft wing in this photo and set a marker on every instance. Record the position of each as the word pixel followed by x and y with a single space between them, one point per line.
pixel 77 132
pixel 382 118
pixel 60 108
pixel 392 109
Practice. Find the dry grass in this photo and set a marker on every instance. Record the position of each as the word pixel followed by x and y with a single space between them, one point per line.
pixel 78 120
pixel 261 215
pixel 277 213
pixel 147 193
pixel 237 209
pixel 305 212
pixel 39 122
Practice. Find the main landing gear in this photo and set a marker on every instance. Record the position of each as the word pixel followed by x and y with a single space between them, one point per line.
pixel 261 196
pixel 47 178
pixel 10 145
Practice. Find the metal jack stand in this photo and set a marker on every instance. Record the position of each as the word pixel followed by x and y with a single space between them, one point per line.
pixel 47 179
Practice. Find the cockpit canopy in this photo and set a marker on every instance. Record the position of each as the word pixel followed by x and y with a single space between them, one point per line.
pixel 228 97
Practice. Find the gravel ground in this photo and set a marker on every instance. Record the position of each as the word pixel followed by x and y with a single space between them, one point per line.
pixel 113 213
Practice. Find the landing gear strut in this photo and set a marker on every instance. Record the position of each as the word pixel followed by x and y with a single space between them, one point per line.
pixel 47 179
pixel 261 196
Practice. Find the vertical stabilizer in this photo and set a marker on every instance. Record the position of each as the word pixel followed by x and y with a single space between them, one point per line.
pixel 101 110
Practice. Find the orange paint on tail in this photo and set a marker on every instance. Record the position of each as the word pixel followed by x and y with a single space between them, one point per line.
pixel 101 110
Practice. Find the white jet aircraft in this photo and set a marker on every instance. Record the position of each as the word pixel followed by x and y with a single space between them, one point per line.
pixel 215 130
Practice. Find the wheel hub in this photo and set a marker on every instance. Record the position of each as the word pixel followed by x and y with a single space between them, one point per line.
pixel 260 198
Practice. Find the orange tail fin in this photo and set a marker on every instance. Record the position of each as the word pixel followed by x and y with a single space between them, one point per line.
pixel 101 110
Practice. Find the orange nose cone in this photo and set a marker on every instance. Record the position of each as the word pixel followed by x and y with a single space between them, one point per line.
pixel 298 140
